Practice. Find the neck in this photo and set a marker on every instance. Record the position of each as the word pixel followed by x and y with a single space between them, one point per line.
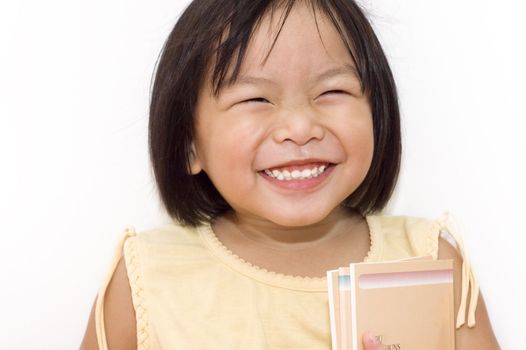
pixel 268 234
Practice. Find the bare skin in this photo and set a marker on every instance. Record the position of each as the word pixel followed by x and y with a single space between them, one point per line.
pixel 481 336
pixel 119 315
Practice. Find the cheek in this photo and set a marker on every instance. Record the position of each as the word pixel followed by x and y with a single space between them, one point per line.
pixel 229 145
pixel 361 150
pixel 364 141
pixel 358 139
pixel 364 138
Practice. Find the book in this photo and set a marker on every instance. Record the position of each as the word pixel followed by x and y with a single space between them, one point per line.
pixel 339 299
pixel 334 307
pixel 407 304
pixel 344 284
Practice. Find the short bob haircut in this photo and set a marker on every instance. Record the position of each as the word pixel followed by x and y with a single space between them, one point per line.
pixel 212 36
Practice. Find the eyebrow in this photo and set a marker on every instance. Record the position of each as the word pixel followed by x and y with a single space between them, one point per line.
pixel 249 80
pixel 346 69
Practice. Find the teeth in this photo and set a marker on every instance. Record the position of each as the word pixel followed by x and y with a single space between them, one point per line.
pixel 286 175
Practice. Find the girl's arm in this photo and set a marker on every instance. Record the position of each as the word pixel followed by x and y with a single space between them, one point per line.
pixel 119 315
pixel 481 336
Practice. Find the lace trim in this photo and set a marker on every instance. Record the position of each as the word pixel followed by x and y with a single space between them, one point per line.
pixel 448 227
pixel 303 283
pixel 375 249
pixel 136 284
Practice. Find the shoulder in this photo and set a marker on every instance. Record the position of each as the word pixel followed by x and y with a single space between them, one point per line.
pixel 160 248
pixel 395 224
pixel 168 233
pixel 117 313
pixel 167 236
pixel 396 237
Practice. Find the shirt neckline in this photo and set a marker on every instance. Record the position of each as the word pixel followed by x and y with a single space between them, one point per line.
pixel 276 279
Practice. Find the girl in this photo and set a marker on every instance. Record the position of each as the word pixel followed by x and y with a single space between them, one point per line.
pixel 274 137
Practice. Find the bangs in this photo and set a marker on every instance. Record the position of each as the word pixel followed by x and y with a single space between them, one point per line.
pixel 233 38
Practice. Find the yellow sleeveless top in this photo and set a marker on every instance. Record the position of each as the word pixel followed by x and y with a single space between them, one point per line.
pixel 190 292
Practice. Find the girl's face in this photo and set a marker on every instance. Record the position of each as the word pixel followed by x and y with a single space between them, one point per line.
pixel 293 136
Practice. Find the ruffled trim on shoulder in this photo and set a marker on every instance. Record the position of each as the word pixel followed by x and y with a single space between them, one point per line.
pixel 135 277
pixel 432 242
pixel 449 231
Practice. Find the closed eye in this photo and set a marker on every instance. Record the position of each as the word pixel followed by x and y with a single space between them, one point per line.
pixel 333 95
pixel 256 99
pixel 334 92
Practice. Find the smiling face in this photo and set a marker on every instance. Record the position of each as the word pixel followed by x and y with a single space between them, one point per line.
pixel 292 137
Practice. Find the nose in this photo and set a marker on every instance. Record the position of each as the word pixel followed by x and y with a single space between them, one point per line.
pixel 300 127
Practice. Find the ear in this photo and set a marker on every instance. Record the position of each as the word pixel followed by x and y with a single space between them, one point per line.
pixel 195 163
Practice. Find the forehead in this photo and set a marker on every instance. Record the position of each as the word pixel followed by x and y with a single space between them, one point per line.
pixel 281 33
pixel 301 30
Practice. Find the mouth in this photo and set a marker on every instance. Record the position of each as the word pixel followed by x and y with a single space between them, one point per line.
pixel 298 172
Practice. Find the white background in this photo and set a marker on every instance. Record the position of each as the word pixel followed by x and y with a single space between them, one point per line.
pixel 74 89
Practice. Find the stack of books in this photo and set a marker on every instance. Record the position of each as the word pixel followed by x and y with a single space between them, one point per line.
pixel 406 304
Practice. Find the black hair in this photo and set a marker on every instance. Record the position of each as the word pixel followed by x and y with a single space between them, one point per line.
pixel 212 36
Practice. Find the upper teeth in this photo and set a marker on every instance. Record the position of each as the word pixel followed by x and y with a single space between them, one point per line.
pixel 296 174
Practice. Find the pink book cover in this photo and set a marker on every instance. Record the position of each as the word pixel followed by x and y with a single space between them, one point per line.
pixel 408 305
